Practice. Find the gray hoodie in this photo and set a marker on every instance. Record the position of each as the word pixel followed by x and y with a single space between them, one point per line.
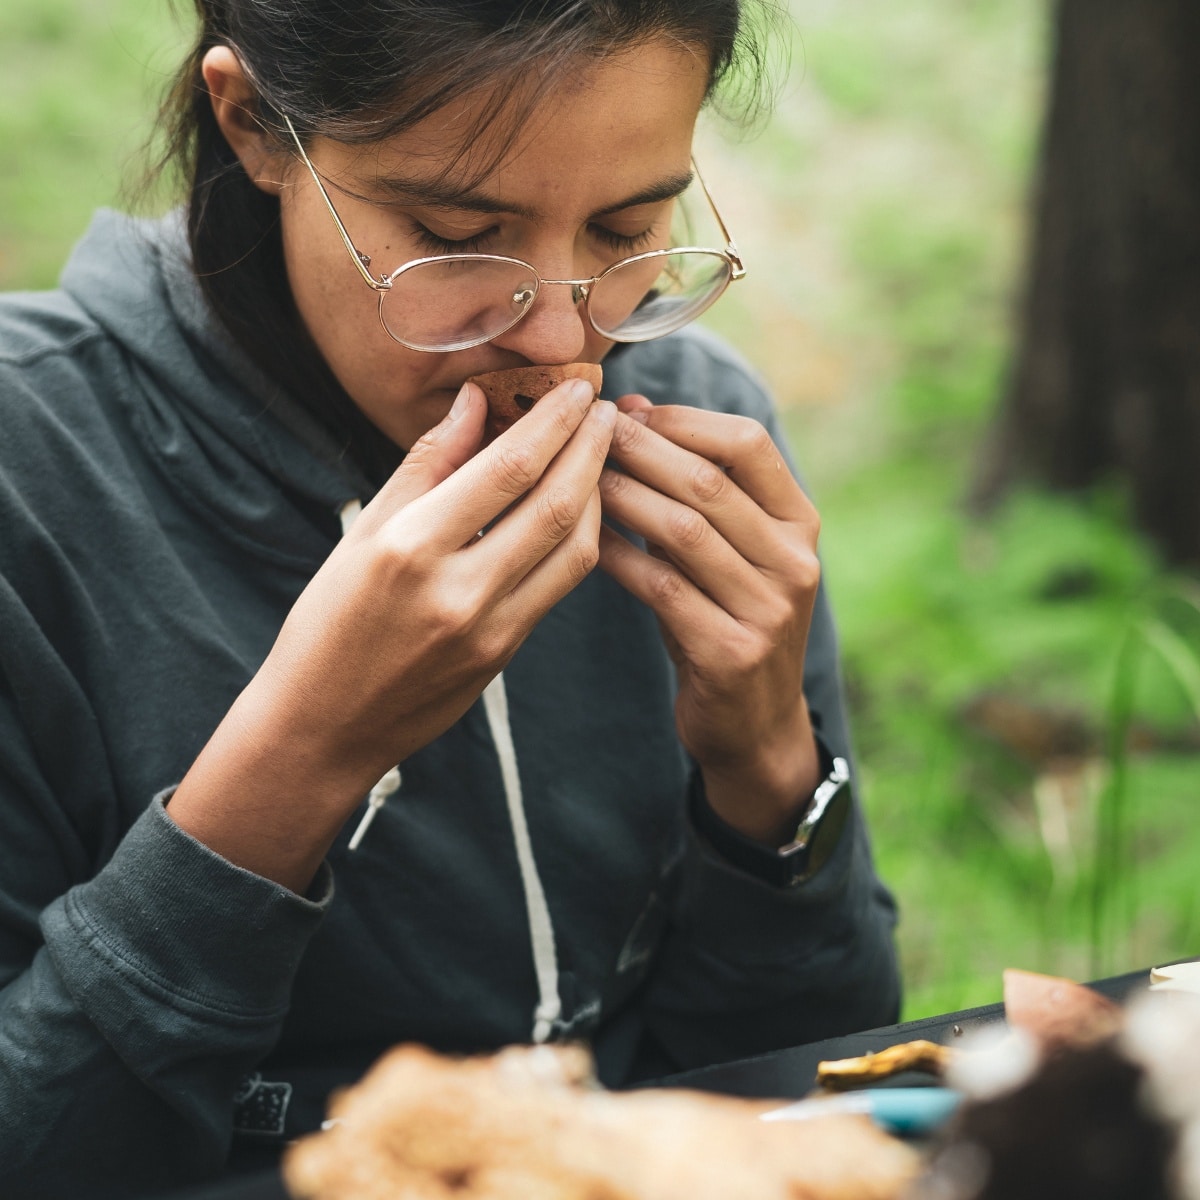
pixel 162 1011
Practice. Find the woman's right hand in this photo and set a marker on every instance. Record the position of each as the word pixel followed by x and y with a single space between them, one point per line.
pixel 401 629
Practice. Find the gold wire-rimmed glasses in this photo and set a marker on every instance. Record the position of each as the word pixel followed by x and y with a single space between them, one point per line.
pixel 454 301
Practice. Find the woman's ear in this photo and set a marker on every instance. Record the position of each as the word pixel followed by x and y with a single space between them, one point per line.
pixel 235 106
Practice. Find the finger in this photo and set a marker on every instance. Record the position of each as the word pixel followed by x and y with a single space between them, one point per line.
pixel 692 621
pixel 557 573
pixel 740 445
pixel 689 541
pixel 508 467
pixel 547 516
pixel 434 457
pixel 702 485
pixel 633 402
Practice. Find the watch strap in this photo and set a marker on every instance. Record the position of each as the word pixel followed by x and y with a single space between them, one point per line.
pixel 818 830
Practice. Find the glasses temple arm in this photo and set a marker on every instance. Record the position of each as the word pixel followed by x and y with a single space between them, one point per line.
pixel 730 246
pixel 361 261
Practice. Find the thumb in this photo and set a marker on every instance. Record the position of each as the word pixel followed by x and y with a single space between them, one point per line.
pixel 434 456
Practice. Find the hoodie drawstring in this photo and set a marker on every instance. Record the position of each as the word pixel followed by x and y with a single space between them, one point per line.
pixel 348 514
pixel 387 786
pixel 537 911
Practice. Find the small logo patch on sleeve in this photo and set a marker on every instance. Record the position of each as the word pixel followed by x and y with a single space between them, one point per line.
pixel 260 1107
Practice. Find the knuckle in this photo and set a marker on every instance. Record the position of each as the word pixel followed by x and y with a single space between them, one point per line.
pixel 804 574
pixel 750 652
pixel 514 467
pixel 616 485
pixel 666 586
pixel 627 433
pixel 456 611
pixel 751 439
pixel 706 481
pixel 565 419
pixel 601 439
pixel 584 555
pixel 777 621
pixel 584 545
pixel 399 553
pixel 557 513
pixel 495 646
pixel 687 528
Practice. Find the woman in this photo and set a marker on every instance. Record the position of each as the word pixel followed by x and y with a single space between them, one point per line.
pixel 257 555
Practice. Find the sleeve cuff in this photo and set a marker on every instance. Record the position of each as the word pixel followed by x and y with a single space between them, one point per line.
pixel 169 917
pixel 744 853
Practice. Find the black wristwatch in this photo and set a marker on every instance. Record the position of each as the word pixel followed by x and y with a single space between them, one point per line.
pixel 816 836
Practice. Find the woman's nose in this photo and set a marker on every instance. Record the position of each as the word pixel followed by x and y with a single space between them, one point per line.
pixel 553 331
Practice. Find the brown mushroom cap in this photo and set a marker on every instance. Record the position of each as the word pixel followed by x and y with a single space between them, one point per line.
pixel 512 393
pixel 1058 1012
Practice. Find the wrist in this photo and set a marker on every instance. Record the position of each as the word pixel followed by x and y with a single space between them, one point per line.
pixel 764 798
pixel 264 799
pixel 811 841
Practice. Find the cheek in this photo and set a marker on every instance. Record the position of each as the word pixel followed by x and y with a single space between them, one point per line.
pixel 339 310
pixel 326 288
pixel 341 314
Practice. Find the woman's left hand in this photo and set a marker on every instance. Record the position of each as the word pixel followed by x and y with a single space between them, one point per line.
pixel 732 575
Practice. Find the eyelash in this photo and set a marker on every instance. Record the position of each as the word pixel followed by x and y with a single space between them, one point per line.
pixel 626 243
pixel 431 244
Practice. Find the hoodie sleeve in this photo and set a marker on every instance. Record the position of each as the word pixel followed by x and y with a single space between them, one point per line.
pixel 132 1004
pixel 141 975
pixel 746 966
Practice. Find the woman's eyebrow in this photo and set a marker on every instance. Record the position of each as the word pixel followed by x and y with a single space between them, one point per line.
pixel 436 193
pixel 665 189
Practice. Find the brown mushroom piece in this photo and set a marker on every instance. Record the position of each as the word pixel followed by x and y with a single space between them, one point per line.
pixel 512 393
pixel 1058 1012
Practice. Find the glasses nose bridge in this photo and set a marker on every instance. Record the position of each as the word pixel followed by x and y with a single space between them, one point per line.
pixel 580 288
pixel 557 330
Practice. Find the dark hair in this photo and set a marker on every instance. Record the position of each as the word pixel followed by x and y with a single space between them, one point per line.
pixel 361 70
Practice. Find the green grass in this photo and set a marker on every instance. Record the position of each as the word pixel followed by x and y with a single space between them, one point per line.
pixel 81 79
pixel 882 215
pixel 885 265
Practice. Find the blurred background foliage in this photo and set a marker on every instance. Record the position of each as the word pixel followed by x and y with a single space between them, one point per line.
pixel 1024 688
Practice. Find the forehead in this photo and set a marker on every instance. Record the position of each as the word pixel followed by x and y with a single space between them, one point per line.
pixel 604 130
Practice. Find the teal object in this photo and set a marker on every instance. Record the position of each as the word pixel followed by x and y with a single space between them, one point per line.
pixel 913 1111
pixel 908 1111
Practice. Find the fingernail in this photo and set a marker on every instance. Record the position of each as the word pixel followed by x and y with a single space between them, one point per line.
pixel 460 402
pixel 582 391
pixel 641 416
pixel 606 412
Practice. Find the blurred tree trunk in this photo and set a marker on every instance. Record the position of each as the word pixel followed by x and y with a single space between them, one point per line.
pixel 1106 380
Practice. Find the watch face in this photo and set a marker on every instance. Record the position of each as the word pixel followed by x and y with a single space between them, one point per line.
pixel 823 840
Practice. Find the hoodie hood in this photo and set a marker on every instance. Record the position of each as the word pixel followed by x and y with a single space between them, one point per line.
pixel 229 437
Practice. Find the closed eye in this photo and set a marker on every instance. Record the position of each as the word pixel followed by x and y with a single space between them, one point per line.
pixel 431 243
pixel 623 243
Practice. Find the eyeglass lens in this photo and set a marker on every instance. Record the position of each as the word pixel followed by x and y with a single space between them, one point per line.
pixel 645 299
pixel 461 301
